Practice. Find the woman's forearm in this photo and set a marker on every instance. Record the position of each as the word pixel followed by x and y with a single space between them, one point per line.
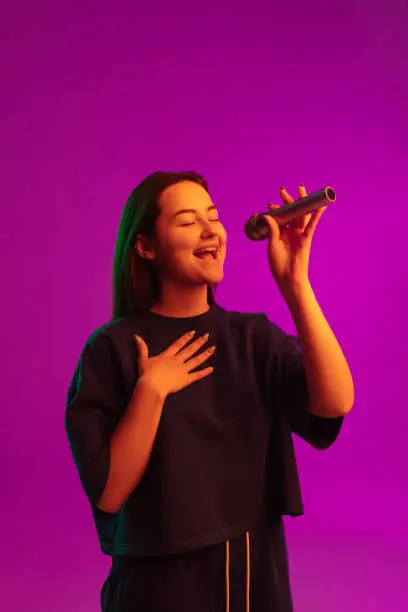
pixel 131 445
pixel 328 375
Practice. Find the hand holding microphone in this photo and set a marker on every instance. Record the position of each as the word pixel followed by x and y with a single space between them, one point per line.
pixel 256 227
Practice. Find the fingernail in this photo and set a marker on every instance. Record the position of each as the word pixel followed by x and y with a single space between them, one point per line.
pixel 302 184
pixel 282 188
pixel 191 333
pixel 137 339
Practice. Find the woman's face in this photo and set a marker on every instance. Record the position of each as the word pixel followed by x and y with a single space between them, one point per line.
pixel 189 221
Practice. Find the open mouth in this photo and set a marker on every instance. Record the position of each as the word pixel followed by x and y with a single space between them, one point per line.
pixel 207 255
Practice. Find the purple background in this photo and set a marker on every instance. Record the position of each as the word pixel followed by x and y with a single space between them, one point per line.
pixel 94 97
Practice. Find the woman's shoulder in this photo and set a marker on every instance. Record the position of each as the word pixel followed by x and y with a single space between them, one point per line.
pixel 262 331
pixel 112 330
pixel 257 321
pixel 111 340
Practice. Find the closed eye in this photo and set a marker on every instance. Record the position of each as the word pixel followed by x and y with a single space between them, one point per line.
pixel 193 222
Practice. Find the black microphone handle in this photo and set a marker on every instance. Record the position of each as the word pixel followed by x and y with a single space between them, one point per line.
pixel 256 228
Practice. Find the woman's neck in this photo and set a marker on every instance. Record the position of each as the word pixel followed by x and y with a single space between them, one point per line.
pixel 183 303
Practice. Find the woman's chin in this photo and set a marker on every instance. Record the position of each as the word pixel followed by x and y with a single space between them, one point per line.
pixel 214 276
pixel 210 273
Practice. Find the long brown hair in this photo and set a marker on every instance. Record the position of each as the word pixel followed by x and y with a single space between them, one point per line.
pixel 135 280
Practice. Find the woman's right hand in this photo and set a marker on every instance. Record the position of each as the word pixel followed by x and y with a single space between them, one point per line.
pixel 170 371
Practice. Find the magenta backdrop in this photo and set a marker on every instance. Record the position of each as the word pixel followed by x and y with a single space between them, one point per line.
pixel 97 95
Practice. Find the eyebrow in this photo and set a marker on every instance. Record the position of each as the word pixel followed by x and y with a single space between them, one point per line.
pixel 192 210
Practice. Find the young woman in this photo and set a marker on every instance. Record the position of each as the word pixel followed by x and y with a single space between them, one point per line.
pixel 180 413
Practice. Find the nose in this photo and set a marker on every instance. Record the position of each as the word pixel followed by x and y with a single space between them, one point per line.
pixel 207 228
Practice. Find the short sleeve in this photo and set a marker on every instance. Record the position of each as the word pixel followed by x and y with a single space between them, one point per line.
pixel 319 432
pixel 94 408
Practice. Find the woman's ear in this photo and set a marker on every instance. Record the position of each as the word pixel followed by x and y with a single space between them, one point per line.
pixel 144 247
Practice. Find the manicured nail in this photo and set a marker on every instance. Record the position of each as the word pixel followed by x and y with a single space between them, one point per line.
pixel 191 333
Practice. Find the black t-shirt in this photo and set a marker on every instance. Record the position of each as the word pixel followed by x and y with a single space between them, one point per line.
pixel 223 457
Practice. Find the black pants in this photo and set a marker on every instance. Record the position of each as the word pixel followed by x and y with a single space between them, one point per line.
pixel 197 581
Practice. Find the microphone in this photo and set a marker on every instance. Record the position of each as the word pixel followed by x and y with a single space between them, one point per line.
pixel 256 228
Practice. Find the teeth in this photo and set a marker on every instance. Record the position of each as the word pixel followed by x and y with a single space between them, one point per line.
pixel 213 250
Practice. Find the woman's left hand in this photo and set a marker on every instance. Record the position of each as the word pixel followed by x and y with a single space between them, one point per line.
pixel 289 246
